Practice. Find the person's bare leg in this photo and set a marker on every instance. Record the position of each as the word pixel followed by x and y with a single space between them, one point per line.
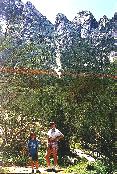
pixel 55 155
pixel 47 157
pixel 37 167
pixel 32 165
pixel 37 164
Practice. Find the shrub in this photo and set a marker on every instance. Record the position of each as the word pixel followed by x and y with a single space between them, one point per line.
pixel 88 168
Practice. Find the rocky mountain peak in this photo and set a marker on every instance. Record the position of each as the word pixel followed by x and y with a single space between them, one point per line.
pixel 85 23
pixel 33 22
pixel 83 17
pixel 103 22
pixel 115 16
pixel 29 6
pixel 61 19
pixel 63 26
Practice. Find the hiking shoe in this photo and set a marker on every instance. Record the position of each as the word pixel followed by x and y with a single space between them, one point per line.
pixel 54 170
pixel 49 170
pixel 37 171
pixel 32 170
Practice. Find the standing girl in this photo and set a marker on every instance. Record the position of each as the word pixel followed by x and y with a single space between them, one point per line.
pixel 33 145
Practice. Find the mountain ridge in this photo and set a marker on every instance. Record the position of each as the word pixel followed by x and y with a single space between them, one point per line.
pixel 29 24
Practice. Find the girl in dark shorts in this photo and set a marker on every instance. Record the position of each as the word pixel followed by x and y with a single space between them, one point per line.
pixel 33 145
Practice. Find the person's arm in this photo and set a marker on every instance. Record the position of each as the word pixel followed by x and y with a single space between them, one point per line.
pixel 38 143
pixel 59 136
pixel 49 136
pixel 28 146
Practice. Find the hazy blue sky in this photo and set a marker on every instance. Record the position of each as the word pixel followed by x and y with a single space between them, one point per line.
pixel 70 8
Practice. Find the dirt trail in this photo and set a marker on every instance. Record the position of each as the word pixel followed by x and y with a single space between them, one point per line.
pixel 28 170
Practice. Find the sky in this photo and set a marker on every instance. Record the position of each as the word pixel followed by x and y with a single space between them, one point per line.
pixel 50 8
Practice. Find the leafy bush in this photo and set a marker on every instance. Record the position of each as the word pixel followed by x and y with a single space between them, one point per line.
pixel 21 161
pixel 41 156
pixel 3 171
pixel 88 168
pixel 100 167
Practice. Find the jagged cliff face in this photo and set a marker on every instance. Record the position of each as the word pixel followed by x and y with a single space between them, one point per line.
pixel 85 22
pixel 29 23
pixel 32 22
pixel 65 31
pixel 35 23
pixel 85 26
